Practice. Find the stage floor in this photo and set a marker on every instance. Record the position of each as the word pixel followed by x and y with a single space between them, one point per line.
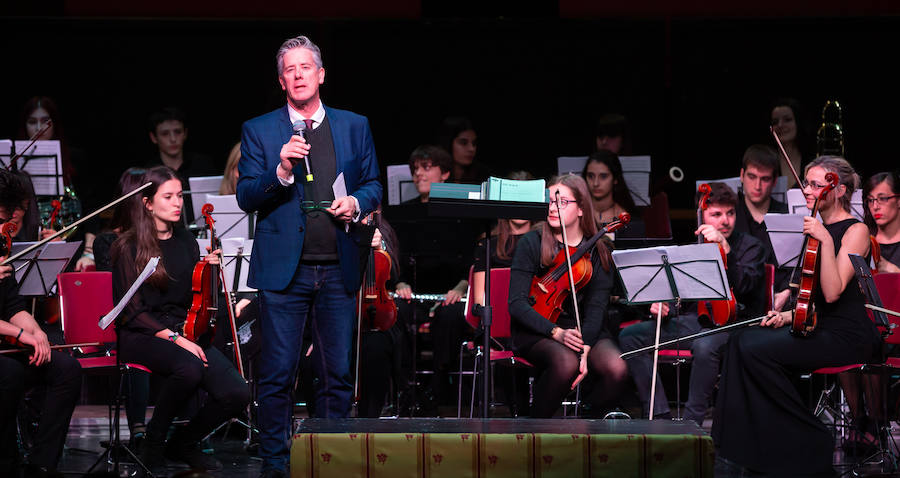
pixel 89 426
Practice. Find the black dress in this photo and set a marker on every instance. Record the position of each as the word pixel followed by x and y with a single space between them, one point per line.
pixel 761 421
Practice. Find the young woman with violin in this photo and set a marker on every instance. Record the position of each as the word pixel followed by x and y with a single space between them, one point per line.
pixel 149 329
pixel 762 424
pixel 561 352
pixel 881 193
pixel 37 364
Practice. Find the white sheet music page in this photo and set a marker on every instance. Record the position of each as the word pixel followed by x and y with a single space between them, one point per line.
pixel 43 161
pixel 149 269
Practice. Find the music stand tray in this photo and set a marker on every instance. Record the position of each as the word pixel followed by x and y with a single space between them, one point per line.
pixel 36 271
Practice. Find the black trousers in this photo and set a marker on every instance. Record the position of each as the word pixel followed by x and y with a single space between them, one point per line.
pixel 61 378
pixel 184 374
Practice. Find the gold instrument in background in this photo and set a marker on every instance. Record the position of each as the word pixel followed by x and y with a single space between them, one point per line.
pixel 830 136
pixel 58 212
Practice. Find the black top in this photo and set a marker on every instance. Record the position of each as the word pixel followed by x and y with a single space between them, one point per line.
pixel 891 253
pixel 151 309
pixel 527 325
pixel 11 303
pixel 847 314
pixel 746 274
pixel 319 240
pixel 496 262
pixel 744 222
pixel 102 250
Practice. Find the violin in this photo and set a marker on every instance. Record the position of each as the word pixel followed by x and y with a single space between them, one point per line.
pixel 377 310
pixel 549 291
pixel 201 317
pixel 6 232
pixel 876 254
pixel 804 321
pixel 720 312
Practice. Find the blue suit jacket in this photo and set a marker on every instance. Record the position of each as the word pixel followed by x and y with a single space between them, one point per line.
pixel 280 223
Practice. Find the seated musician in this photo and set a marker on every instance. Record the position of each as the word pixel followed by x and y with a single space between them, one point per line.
pixel 438 263
pixel 758 169
pixel 563 354
pixel 881 193
pixel 57 371
pixel 762 424
pixel 149 329
pixel 863 390
pixel 609 193
pixel 745 256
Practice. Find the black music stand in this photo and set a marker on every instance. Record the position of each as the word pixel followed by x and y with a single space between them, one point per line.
pixel 487 212
pixel 36 271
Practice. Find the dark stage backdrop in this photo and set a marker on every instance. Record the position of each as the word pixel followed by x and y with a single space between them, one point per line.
pixel 695 90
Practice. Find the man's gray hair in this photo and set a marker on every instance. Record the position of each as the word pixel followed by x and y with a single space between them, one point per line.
pixel 297 42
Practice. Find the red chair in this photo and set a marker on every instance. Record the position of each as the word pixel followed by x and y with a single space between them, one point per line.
pixel 85 297
pixel 500 329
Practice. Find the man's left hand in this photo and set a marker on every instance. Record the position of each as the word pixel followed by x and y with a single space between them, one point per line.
pixel 343 209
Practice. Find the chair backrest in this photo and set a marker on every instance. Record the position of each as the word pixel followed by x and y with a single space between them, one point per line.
pixel 656 217
pixel 888 285
pixel 499 308
pixel 770 287
pixel 85 297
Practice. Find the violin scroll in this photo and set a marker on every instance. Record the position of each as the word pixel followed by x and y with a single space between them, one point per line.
pixel 6 231
pixel 705 190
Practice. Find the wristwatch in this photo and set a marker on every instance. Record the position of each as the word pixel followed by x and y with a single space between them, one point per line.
pixel 174 336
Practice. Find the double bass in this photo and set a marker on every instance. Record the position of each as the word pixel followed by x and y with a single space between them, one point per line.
pixel 720 312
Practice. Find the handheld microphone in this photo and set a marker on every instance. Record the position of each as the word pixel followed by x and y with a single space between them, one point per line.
pixel 300 130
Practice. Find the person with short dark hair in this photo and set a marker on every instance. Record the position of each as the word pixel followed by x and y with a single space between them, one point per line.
pixel 57 371
pixel 428 164
pixel 745 256
pixel 758 169
pixel 168 131
pixel 306 259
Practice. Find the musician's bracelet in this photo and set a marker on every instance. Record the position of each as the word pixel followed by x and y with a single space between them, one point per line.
pixel 20 333
pixel 89 255
pixel 174 337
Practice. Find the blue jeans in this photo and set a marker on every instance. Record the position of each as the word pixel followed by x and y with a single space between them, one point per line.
pixel 283 315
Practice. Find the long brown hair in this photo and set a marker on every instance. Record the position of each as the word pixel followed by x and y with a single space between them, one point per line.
pixel 142 233
pixel 588 227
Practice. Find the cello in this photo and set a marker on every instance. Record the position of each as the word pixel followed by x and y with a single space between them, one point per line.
pixel 720 312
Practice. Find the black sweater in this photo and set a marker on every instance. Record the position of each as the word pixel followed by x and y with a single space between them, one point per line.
pixel 152 309
pixel 528 326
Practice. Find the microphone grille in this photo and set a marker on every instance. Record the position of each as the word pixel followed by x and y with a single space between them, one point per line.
pixel 299 127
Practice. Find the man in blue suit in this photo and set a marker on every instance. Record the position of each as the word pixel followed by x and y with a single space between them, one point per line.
pixel 305 257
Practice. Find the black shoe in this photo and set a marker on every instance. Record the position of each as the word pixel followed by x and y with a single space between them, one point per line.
pixel 273 474
pixel 153 457
pixel 193 456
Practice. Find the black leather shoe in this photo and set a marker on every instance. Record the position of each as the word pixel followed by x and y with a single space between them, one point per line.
pixel 153 457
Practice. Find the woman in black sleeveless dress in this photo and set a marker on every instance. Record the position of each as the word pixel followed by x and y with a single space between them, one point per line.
pixel 762 424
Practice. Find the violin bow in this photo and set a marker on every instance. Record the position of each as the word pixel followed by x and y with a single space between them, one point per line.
pixel 12 162
pixel 568 263
pixel 75 224
pixel 786 157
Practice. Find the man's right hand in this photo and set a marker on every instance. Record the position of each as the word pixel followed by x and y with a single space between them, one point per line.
pixel 40 345
pixel 654 309
pixel 292 152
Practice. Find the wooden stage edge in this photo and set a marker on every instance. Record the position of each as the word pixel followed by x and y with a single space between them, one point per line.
pixel 528 448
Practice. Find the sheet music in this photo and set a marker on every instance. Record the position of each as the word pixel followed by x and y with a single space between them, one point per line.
pixel 43 162
pixel 231 220
pixel 149 269
pixel 786 234
pixel 5 152
pixel 230 248
pixel 200 188
pixel 635 171
pixel 400 185
pixel 856 205
pixel 697 270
